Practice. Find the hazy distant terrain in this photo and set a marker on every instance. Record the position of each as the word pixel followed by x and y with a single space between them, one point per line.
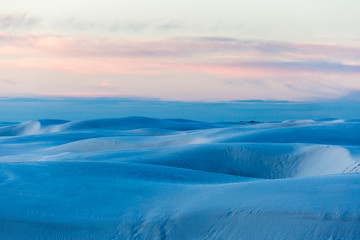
pixel 150 178
pixel 24 109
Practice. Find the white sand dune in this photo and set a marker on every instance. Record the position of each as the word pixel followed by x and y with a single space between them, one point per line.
pixel 143 178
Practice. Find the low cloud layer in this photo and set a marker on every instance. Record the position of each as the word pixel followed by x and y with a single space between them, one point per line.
pixel 181 67
pixel 224 48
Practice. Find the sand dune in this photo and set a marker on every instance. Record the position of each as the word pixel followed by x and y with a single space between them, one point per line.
pixel 143 178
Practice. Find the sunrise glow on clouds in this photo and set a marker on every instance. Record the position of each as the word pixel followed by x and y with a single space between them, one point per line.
pixel 166 58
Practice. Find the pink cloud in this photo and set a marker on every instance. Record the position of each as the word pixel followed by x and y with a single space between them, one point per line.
pixel 203 55
pixel 279 65
pixel 175 48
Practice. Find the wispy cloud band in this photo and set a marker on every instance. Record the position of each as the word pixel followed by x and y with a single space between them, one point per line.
pixel 17 21
pixel 207 52
pixel 292 65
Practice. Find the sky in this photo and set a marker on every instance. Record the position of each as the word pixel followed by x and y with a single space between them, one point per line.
pixel 180 50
